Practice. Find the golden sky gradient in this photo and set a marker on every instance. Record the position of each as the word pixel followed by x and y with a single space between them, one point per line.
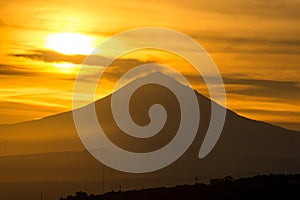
pixel 255 44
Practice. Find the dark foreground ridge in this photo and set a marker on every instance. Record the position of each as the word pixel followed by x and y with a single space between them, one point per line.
pixel 257 187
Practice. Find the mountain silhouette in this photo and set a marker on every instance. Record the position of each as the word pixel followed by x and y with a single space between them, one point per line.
pixel 48 151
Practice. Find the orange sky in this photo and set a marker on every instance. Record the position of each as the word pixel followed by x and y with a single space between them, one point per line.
pixel 255 44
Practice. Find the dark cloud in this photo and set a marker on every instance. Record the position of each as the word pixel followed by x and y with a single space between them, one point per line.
pixel 265 88
pixel 25 106
pixel 264 9
pixel 113 73
pixel 249 40
pixel 10 70
pixel 284 90
pixel 51 56
pixel 270 112
pixel 246 44
pixel 286 116
pixel 291 125
pixel 2 23
pixel 282 85
pixel 117 67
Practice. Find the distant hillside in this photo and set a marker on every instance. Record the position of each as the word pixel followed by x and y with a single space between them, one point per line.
pixel 257 187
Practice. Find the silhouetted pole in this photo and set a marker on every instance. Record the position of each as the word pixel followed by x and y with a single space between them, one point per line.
pixel 103 179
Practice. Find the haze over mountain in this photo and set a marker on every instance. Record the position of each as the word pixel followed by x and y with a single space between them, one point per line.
pixel 57 162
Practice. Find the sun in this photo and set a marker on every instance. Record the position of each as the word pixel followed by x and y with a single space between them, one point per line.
pixel 70 43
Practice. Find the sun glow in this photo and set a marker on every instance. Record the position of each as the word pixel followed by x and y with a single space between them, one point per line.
pixel 70 43
pixel 67 68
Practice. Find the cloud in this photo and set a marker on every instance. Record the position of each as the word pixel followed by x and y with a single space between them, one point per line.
pixel 252 87
pixel 238 84
pixel 115 70
pixel 2 23
pixel 291 125
pixel 10 70
pixel 95 60
pixel 249 44
pixel 264 88
pixel 13 112
pixel 283 118
pixel 51 56
pixel 112 74
pixel 270 112
pixel 274 9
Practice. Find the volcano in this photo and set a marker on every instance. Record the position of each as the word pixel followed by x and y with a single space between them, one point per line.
pixel 47 156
